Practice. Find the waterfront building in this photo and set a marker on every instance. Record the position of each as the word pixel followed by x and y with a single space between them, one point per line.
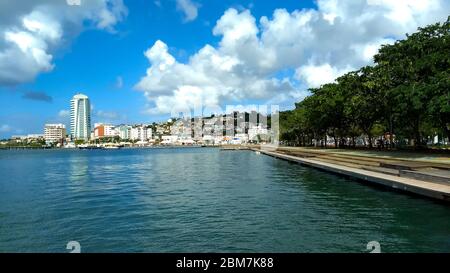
pixel 185 141
pixel 110 131
pixel 104 130
pixel 27 137
pixel 197 125
pixel 162 129
pixel 35 136
pixel 18 137
pixel 236 127
pixel 182 128
pixel 124 131
pixel 141 133
pixel 98 132
pixel 54 133
pixel 169 140
pixel 256 132
pixel 229 125
pixel 240 139
pixel 209 125
pixel 149 131
pixel 80 117
pixel 208 140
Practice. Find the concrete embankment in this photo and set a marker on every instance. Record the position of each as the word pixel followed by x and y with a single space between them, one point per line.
pixel 370 170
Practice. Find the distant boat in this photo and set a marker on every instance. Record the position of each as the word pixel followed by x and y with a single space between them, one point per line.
pixel 258 152
pixel 89 147
pixel 112 147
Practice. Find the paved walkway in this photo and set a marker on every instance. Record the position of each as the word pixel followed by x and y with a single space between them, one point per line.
pixel 395 155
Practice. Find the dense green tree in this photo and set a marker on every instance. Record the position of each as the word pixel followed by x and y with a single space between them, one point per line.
pixel 417 69
pixel 406 94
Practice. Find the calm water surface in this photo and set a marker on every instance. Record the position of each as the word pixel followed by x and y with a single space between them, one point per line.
pixel 201 200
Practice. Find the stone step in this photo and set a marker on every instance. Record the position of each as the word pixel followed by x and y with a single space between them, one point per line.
pixel 381 170
pixel 404 165
pixel 347 164
pixel 359 161
pixel 387 162
pixel 429 174
pixel 300 154
pixel 356 157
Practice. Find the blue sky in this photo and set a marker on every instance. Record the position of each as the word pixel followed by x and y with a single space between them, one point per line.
pixel 99 51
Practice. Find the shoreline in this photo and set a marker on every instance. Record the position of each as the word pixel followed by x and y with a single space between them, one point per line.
pixel 430 189
pixel 133 147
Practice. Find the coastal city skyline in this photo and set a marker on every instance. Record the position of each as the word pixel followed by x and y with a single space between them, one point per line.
pixel 36 91
pixel 227 127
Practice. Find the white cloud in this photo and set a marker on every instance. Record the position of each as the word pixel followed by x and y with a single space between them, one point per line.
pixel 5 128
pixel 112 117
pixel 106 115
pixel 30 31
pixel 189 9
pixel 317 75
pixel 209 78
pixel 114 12
pixel 64 113
pixel 307 47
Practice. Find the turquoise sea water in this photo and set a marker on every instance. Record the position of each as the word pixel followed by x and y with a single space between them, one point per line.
pixel 202 200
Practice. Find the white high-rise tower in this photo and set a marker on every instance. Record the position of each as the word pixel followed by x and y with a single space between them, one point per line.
pixel 80 117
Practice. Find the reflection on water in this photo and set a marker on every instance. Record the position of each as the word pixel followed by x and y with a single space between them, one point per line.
pixel 78 171
pixel 201 200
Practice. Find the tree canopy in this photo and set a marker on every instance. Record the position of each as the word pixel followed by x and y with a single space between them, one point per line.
pixel 404 98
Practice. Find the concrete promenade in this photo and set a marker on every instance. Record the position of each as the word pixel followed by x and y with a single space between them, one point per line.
pixel 425 188
pixel 429 178
pixel 375 153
